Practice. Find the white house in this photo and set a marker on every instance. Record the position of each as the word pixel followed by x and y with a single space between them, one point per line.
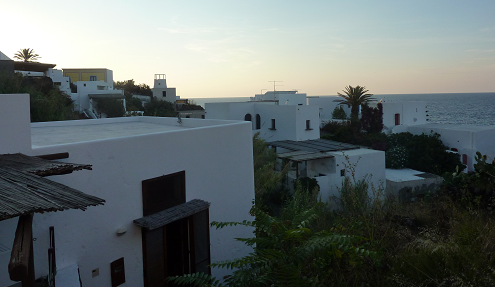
pixel 326 106
pixel 92 84
pixel 283 97
pixel 281 115
pixel 157 176
pixel 398 116
pixel 463 139
pixel 330 162
pixel 160 90
pixel 274 121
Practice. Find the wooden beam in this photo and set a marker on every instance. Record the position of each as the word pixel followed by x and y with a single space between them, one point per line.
pixel 21 267
pixel 53 156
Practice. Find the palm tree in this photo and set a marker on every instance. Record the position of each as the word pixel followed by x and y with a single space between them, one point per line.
pixel 27 55
pixel 355 97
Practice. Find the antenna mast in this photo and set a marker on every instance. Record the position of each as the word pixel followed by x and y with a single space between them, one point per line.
pixel 274 85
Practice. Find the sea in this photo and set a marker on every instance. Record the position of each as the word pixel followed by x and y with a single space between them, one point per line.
pixel 446 108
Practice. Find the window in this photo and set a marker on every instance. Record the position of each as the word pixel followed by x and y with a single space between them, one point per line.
pixel 117 270
pixel 342 172
pixel 92 78
pixel 57 84
pixel 178 247
pixel 258 121
pixel 397 119
pixel 464 159
pixel 247 117
pixel 308 125
pixel 164 94
pixel 273 125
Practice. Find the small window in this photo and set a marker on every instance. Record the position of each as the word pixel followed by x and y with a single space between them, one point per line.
pixel 92 78
pixel 258 121
pixel 342 172
pixel 164 94
pixel 308 125
pixel 202 116
pixel 464 159
pixel 117 270
pixel 57 84
pixel 273 125
pixel 247 117
pixel 397 119
pixel 85 85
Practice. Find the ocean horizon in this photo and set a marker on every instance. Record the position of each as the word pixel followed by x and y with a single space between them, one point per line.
pixel 443 108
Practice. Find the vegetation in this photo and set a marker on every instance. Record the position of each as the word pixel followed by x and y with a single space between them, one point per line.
pixel 47 102
pixel 157 108
pixel 111 107
pixel 26 55
pixel 339 113
pixel 355 97
pixel 130 88
pixel 372 118
pixel 423 152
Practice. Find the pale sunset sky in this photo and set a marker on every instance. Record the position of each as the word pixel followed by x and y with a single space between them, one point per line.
pixel 234 48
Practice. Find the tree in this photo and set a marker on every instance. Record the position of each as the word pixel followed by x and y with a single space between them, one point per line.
pixel 157 108
pixel 355 97
pixel 47 102
pixel 26 55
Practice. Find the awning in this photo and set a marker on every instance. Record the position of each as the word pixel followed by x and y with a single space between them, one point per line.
pixel 106 96
pixel 301 156
pixel 38 166
pixel 172 214
pixel 32 66
pixel 318 145
pixel 24 193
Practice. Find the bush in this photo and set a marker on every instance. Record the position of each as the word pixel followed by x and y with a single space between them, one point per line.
pixel 112 108
pixel 372 118
pixel 157 108
pixel 339 113
pixel 47 103
pixel 424 152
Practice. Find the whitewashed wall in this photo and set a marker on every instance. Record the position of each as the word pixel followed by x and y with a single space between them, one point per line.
pixel 218 165
pixel 411 113
pixel 15 119
pixel 327 105
pixel 290 120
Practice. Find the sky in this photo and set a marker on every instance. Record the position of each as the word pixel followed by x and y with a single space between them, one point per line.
pixel 235 48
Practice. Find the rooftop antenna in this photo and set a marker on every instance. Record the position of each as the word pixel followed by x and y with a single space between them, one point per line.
pixel 274 85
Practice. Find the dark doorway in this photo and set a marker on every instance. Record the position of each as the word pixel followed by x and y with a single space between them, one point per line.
pixel 177 248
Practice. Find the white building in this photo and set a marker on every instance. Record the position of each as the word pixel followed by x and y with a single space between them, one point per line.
pixel 330 162
pixel 274 121
pixel 326 106
pixel 92 84
pixel 282 115
pixel 160 90
pixel 135 161
pixel 283 97
pixel 463 139
pixel 398 116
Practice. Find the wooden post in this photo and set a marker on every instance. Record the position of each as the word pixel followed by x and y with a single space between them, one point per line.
pixel 21 265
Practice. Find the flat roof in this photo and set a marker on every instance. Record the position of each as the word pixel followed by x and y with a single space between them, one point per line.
pixel 317 145
pixel 65 132
pixel 304 155
pixel 406 174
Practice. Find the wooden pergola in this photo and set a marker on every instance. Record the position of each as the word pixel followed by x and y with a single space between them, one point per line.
pixel 24 191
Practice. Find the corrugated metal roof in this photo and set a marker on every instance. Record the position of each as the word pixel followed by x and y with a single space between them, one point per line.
pixel 318 145
pixel 172 214
pixel 304 155
pixel 38 166
pixel 23 193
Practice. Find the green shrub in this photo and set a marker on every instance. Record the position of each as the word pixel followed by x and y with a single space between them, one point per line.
pixel 339 113
pixel 157 108
pixel 111 107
